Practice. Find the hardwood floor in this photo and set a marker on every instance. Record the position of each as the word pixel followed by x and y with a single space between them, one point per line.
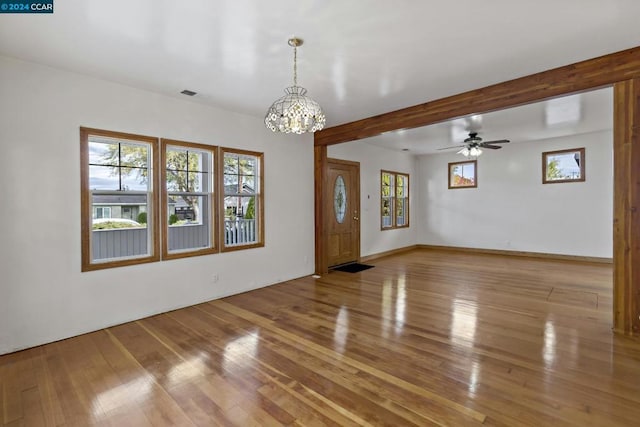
pixel 425 338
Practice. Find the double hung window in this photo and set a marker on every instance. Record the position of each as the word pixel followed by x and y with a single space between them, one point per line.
pixel 188 202
pixel 119 225
pixel 242 199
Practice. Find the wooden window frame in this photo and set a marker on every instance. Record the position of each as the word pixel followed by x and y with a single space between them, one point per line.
pixel 475 174
pixel 545 163
pixel 86 210
pixel 214 214
pixel 259 199
pixel 393 200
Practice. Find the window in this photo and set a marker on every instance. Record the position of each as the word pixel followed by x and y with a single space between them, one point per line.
pixel 242 199
pixel 144 199
pixel 463 174
pixel 394 191
pixel 187 199
pixel 563 166
pixel 118 174
pixel 101 212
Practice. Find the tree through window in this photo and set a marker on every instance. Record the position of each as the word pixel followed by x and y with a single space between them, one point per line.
pixel 188 210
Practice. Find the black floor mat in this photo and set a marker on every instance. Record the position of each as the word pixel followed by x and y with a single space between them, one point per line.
pixel 353 268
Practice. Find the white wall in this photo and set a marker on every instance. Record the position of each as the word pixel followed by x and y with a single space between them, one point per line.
pixel 512 210
pixel 372 160
pixel 43 295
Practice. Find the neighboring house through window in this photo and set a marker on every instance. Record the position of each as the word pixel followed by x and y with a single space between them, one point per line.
pixel 107 206
pixel 394 200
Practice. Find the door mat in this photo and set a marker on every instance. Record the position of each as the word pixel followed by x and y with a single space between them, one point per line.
pixel 353 268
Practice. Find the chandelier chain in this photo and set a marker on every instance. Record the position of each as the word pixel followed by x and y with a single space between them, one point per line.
pixel 295 66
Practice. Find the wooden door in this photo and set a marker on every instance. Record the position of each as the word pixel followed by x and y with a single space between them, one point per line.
pixel 342 211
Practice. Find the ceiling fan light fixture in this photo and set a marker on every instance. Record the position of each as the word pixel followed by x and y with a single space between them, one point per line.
pixel 465 152
pixel 295 112
pixel 473 145
pixel 475 152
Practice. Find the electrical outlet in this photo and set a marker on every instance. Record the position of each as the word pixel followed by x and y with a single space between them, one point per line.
pixel 214 278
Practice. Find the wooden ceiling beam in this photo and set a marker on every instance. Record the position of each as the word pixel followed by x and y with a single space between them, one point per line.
pixel 582 76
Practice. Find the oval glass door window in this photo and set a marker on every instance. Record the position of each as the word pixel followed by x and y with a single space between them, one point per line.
pixel 340 199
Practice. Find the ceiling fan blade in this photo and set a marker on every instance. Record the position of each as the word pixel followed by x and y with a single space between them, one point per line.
pixel 499 141
pixel 449 148
pixel 491 147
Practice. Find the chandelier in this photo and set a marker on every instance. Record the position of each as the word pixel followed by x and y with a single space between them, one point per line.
pixel 295 112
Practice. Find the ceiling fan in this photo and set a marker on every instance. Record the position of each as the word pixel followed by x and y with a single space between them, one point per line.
pixel 473 144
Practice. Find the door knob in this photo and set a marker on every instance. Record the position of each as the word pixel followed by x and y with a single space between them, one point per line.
pixel 355 215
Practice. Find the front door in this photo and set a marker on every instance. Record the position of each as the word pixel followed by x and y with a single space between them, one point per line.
pixel 343 211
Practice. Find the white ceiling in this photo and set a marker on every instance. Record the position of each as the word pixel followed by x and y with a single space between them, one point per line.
pixel 570 115
pixel 360 58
